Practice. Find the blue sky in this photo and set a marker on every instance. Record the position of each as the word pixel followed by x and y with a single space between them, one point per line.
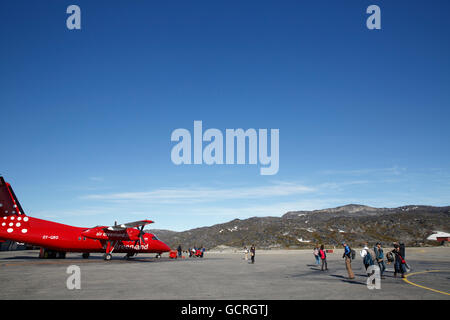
pixel 87 115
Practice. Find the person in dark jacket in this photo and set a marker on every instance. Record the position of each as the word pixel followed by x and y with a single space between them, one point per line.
pixel 402 249
pixel 252 253
pixel 379 257
pixel 399 262
pixel 323 257
pixel 203 252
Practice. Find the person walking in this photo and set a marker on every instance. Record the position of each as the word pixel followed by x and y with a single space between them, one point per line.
pixel 316 254
pixel 402 249
pixel 399 262
pixel 379 257
pixel 403 254
pixel 348 260
pixel 252 253
pixel 246 254
pixel 323 257
pixel 202 251
pixel 180 251
pixel 367 256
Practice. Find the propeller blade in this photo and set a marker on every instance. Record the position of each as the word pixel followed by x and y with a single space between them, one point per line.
pixel 140 236
pixel 141 233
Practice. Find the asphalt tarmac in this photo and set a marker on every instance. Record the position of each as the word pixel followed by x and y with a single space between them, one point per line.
pixel 276 274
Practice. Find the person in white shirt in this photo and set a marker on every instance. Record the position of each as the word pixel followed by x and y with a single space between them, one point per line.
pixel 316 254
pixel 366 255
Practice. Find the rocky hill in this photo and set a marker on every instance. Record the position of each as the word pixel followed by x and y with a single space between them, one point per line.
pixel 302 229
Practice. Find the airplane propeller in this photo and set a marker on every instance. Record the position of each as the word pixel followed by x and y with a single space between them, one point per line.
pixel 140 236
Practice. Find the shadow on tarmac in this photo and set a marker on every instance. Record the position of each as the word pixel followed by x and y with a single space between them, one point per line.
pixel 30 260
pixel 345 279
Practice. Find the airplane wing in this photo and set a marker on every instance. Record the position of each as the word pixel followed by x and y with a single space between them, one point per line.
pixel 129 225
pixel 101 232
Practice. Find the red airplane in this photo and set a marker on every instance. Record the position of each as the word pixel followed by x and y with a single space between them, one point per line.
pixel 55 239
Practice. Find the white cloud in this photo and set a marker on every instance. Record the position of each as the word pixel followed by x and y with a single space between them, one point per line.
pixel 197 195
pixel 96 179
pixel 390 171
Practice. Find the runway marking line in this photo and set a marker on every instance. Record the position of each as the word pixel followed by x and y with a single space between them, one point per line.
pixel 423 287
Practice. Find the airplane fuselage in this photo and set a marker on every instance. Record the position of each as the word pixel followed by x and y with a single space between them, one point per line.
pixel 61 237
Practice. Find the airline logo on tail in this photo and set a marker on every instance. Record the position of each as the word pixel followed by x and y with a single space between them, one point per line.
pixel 9 205
pixel 12 216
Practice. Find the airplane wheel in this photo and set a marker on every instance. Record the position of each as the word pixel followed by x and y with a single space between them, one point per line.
pixel 158 256
pixel 61 255
pixel 107 256
pixel 85 255
pixel 129 255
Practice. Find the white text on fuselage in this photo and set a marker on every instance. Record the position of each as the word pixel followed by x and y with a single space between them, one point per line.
pixel 132 247
pixel 53 237
pixel 115 235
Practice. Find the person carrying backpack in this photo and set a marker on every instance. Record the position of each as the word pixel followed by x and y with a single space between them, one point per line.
pixel 323 257
pixel 399 262
pixel 379 258
pixel 402 246
pixel 402 249
pixel 348 253
pixel 367 256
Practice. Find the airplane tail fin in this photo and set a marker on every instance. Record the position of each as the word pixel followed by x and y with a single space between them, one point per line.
pixel 9 205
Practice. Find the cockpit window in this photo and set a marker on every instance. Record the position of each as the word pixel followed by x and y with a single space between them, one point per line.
pixel 155 238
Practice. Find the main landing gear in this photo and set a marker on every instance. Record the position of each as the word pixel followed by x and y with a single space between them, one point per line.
pixel 85 255
pixel 129 255
pixel 51 254
pixel 107 256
